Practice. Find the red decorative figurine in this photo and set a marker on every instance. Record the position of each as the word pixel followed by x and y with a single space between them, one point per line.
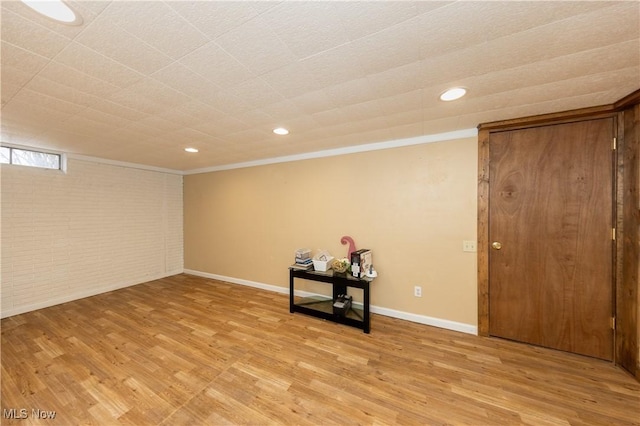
pixel 352 246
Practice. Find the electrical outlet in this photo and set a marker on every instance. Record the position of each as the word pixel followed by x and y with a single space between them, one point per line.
pixel 417 291
pixel 469 246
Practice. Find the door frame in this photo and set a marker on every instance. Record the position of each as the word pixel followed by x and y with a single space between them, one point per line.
pixel 622 199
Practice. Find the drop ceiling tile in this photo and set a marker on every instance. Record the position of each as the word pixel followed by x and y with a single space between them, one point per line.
pixel 94 7
pixel 226 101
pixel 553 105
pixel 256 47
pixel 49 88
pixel 21 134
pixel 464 24
pixel 351 92
pixel 577 34
pixel 283 110
pixel 244 138
pixel 390 48
pixel 292 80
pixel 412 130
pixel 183 79
pixel 111 41
pixel 93 115
pixel 146 130
pixel 329 117
pixel 19 65
pixel 133 100
pixel 38 99
pixel 314 102
pixel 157 156
pixel 255 93
pixel 222 127
pixel 84 126
pixel 384 70
pixel 574 87
pixel 312 135
pixel 401 103
pixel 8 91
pixel 406 118
pixel 24 60
pixel 256 118
pixel 544 95
pixel 448 123
pixel 112 108
pixel 192 113
pixel 455 26
pixel 74 79
pixel 216 65
pixel 38 116
pixel 357 134
pixel 363 126
pixel 363 18
pixel 362 111
pixel 81 144
pixel 307 28
pixel 537 45
pixel 156 125
pixel 215 18
pixel 29 36
pixel 155 92
pixel 590 62
pixel 334 66
pixel 156 24
pixel 96 65
pixel 370 134
pixel 407 78
pixel 185 136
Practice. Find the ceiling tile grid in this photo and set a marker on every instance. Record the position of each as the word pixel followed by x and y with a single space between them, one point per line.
pixel 140 81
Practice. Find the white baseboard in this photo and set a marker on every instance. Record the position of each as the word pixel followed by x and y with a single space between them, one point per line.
pixel 421 319
pixel 78 295
pixel 232 280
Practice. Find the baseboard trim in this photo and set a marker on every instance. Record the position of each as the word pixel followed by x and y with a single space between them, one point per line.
pixel 79 295
pixel 426 320
pixel 232 280
pixel 421 319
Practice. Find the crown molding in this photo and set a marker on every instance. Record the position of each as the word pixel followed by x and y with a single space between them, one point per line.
pixel 438 137
pixel 123 164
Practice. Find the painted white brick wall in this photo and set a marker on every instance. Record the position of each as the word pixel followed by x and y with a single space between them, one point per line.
pixel 96 228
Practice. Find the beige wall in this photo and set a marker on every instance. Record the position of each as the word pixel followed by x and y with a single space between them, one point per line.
pixel 412 206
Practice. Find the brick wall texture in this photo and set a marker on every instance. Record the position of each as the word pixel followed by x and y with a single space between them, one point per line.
pixel 95 228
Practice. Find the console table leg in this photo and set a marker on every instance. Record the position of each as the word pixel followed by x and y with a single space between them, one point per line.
pixel 291 291
pixel 366 319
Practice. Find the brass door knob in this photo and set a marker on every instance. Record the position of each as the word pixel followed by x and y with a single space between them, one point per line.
pixel 496 245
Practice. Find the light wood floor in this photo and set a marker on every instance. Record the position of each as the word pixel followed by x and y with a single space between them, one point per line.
pixel 187 350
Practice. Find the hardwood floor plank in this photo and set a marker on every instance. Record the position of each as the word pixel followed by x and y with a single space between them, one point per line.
pixel 186 350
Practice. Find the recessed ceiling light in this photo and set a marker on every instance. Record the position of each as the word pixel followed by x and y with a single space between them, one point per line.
pixel 453 94
pixel 54 9
pixel 191 149
pixel 280 131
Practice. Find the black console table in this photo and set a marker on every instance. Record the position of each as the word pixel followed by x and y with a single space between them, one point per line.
pixel 322 307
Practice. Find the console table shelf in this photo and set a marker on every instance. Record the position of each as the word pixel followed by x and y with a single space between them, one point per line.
pixel 322 306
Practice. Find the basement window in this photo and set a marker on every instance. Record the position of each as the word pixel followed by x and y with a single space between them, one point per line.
pixel 25 157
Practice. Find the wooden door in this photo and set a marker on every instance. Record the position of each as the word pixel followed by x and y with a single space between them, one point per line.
pixel 550 227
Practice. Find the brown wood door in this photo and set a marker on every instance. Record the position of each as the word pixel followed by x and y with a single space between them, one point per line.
pixel 551 211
